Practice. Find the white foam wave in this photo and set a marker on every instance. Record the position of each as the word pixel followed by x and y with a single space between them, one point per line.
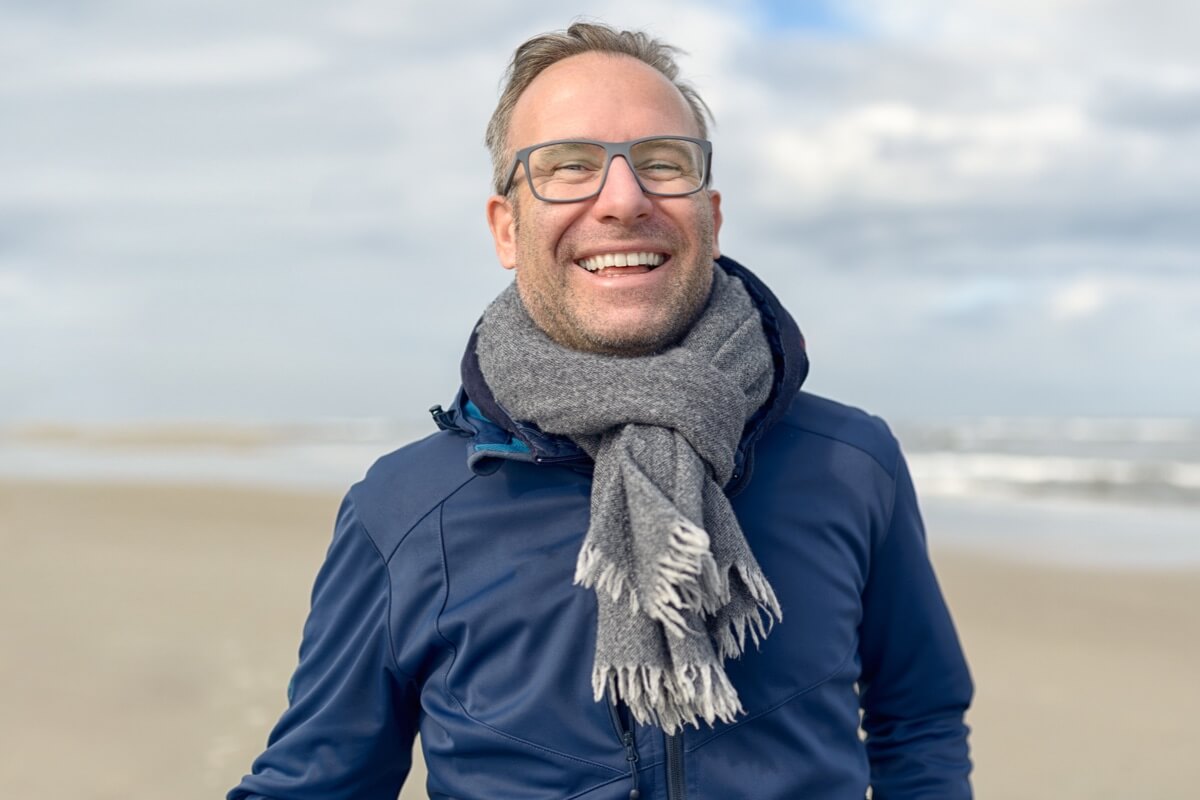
pixel 958 473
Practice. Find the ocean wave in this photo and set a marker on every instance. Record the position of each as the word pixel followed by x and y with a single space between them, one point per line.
pixel 967 473
pixel 1148 460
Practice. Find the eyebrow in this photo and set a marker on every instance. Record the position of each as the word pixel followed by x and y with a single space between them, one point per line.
pixel 572 145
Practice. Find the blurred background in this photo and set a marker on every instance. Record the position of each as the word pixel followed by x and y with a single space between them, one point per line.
pixel 242 246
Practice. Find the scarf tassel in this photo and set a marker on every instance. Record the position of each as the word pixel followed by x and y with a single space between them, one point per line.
pixel 686 578
pixel 729 635
pixel 670 698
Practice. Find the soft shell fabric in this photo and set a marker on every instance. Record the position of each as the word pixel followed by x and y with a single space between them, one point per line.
pixel 445 607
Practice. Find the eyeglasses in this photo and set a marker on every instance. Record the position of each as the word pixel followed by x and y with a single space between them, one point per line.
pixel 570 170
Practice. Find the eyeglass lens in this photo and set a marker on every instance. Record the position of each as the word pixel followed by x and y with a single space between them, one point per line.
pixel 574 170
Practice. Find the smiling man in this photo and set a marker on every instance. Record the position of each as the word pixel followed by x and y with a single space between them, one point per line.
pixel 572 258
pixel 637 561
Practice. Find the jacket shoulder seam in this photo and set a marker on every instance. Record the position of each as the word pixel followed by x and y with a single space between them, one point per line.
pixel 891 471
pixel 400 540
pixel 387 570
pixel 387 573
pixel 891 515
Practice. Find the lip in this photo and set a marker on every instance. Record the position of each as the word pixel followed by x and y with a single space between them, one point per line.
pixel 623 279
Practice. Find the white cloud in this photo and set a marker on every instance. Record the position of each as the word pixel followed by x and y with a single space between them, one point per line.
pixel 903 154
pixel 975 299
pixel 937 191
pixel 16 289
pixel 1082 298
pixel 35 306
pixel 229 62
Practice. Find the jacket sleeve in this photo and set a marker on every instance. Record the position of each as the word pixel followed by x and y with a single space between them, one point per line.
pixel 915 686
pixel 351 717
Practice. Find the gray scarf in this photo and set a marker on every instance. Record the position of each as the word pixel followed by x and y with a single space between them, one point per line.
pixel 677 587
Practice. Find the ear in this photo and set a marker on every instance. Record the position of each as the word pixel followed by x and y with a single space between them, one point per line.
pixel 503 222
pixel 714 197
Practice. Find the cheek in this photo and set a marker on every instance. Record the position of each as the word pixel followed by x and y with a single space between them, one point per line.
pixel 542 230
pixel 695 221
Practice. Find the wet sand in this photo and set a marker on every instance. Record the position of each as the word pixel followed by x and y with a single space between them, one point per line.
pixel 147 635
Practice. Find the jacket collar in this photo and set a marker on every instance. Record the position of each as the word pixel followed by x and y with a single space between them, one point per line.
pixel 495 436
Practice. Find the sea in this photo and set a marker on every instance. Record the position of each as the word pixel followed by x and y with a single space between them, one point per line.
pixel 1081 491
pixel 1095 493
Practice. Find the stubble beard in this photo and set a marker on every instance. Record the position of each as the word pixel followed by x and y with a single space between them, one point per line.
pixel 566 318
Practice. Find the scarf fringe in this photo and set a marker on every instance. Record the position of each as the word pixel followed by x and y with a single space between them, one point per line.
pixel 730 636
pixel 686 578
pixel 670 698
pixel 594 571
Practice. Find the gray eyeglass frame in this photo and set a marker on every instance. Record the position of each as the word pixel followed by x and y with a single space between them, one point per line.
pixel 611 150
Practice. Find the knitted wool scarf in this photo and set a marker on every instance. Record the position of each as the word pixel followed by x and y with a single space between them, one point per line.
pixel 676 584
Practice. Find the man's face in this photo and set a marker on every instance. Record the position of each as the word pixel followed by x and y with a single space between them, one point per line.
pixel 618 310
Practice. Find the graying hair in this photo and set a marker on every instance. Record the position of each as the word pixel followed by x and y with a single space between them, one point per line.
pixel 542 51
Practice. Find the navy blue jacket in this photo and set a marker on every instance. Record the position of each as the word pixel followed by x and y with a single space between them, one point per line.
pixel 446 607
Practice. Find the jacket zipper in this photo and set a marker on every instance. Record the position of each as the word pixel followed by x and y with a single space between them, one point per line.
pixel 558 459
pixel 675 789
pixel 625 733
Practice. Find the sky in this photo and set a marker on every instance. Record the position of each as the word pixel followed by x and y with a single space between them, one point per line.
pixel 273 211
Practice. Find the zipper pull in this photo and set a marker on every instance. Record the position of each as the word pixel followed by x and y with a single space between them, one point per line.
pixel 632 757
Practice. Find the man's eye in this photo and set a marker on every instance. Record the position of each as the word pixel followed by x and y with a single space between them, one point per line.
pixel 660 170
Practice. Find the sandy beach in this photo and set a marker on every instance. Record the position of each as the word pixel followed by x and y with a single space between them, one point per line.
pixel 147 634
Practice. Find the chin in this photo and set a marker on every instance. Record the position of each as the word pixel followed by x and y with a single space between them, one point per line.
pixel 633 339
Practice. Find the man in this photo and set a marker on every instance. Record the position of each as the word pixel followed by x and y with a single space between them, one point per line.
pixel 659 569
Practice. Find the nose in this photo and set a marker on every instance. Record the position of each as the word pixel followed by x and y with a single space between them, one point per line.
pixel 621 199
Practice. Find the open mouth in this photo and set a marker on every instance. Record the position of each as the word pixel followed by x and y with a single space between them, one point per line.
pixel 622 263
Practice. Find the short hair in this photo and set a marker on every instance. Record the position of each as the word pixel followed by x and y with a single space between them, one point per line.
pixel 540 52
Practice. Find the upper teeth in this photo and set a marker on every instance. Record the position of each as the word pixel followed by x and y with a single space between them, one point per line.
pixel 621 260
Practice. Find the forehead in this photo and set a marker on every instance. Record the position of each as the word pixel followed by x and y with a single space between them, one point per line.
pixel 599 96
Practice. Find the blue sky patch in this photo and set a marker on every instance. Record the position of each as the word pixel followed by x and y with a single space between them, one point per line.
pixel 812 16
